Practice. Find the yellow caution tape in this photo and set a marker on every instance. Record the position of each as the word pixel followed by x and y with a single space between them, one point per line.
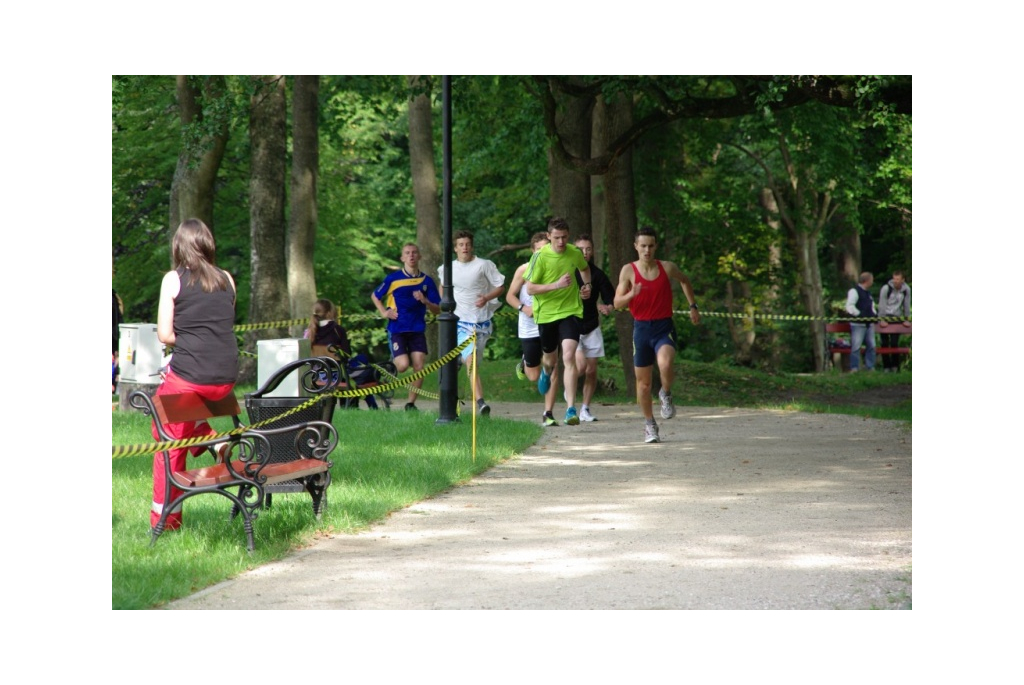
pixel 119 451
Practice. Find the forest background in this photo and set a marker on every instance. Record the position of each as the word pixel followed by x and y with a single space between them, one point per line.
pixel 772 193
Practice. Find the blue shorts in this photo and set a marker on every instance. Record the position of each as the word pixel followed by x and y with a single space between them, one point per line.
pixel 483 334
pixel 407 343
pixel 648 337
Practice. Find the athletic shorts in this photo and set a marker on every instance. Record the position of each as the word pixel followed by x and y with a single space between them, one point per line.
pixel 592 344
pixel 553 333
pixel 483 334
pixel 531 352
pixel 648 337
pixel 407 343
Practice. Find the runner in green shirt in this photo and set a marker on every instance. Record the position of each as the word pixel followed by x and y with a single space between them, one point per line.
pixel 558 308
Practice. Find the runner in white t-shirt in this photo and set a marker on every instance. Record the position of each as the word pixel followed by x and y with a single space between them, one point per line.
pixel 476 286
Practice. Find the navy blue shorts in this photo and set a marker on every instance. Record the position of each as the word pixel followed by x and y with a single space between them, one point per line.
pixel 407 343
pixel 648 336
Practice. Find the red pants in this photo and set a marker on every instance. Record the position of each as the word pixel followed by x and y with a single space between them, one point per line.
pixel 174 384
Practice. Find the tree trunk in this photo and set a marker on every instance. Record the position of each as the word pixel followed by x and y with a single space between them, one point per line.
pixel 847 252
pixel 570 189
pixel 741 330
pixel 267 136
pixel 192 189
pixel 424 174
pixel 598 227
pixel 303 218
pixel 424 183
pixel 620 223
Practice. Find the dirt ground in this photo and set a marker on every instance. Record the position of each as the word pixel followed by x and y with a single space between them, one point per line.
pixel 734 509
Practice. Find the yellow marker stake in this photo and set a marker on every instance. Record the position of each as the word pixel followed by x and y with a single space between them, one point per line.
pixel 472 382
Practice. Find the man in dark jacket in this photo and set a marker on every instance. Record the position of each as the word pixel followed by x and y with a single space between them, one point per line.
pixel 591 347
pixel 860 305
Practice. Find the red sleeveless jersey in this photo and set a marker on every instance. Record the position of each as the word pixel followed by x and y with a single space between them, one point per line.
pixel 654 301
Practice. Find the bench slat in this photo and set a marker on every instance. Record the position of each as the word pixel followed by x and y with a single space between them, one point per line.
pixel 218 474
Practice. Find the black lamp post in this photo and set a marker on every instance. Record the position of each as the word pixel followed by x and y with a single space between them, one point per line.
pixel 447 321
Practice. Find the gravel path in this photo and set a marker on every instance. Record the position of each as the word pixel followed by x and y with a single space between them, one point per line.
pixel 735 509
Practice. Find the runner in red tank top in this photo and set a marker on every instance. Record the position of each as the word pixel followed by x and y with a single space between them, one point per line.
pixel 645 286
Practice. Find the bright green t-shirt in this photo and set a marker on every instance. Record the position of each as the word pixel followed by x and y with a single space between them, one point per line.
pixel 547 266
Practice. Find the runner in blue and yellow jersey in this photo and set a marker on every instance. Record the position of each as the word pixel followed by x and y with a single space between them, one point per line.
pixel 403 299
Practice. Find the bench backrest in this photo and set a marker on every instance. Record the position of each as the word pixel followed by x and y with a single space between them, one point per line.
pixel 188 406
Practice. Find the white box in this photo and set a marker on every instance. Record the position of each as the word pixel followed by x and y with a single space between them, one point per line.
pixel 140 354
pixel 272 355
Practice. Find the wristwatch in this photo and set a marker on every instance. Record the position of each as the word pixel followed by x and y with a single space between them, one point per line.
pixel 521 306
pixel 693 305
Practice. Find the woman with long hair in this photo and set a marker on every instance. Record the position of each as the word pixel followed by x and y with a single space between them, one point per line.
pixel 196 316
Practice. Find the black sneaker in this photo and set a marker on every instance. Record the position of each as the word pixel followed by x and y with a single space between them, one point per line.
pixel 409 406
pixel 483 407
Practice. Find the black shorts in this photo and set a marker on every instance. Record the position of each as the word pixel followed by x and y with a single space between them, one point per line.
pixel 531 352
pixel 553 333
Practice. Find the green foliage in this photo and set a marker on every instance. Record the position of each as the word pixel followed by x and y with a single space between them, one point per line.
pixel 692 184
pixel 144 146
pixel 366 208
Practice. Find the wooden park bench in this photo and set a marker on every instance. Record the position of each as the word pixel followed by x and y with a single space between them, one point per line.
pixel 837 348
pixel 250 464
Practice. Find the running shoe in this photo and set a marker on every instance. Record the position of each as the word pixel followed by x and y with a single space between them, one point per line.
pixel 548 420
pixel 483 408
pixel 520 371
pixel 410 406
pixel 668 410
pixel 585 415
pixel 544 382
pixel 571 419
pixel 651 432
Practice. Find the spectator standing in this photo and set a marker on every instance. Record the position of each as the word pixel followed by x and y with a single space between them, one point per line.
pixel 476 286
pixel 861 305
pixel 403 299
pixel 591 347
pixel 893 301
pixel 558 308
pixel 196 315
pixel 645 286
pixel 528 367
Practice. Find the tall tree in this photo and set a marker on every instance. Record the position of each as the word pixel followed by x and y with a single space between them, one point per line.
pixel 620 216
pixel 424 173
pixel 268 170
pixel 204 137
pixel 572 122
pixel 802 203
pixel 302 222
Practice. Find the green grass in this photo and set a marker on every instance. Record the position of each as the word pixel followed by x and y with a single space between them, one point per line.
pixel 389 460
pixel 385 461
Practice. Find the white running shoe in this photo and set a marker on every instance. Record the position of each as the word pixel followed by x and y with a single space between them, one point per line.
pixel 668 410
pixel 651 433
pixel 585 415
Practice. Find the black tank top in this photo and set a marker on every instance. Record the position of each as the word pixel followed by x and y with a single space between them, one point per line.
pixel 205 349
